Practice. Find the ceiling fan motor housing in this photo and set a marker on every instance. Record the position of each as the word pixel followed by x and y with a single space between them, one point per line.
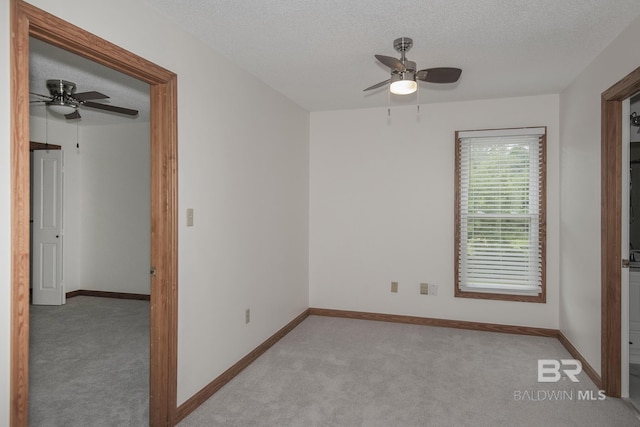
pixel 61 86
pixel 61 91
pixel 410 67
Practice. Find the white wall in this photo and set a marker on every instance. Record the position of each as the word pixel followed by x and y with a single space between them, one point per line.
pixel 243 167
pixel 580 311
pixel 114 208
pixel 106 203
pixel 5 217
pixel 382 208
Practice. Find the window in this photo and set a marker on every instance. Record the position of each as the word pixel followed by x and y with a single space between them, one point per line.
pixel 500 210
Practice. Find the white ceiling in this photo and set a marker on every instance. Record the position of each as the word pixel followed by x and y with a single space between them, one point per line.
pixel 320 54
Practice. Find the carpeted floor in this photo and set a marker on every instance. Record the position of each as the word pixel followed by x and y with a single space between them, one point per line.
pixel 89 363
pixel 342 372
pixel 634 385
pixel 326 372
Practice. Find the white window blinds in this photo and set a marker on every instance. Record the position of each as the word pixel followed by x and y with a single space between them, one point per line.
pixel 500 212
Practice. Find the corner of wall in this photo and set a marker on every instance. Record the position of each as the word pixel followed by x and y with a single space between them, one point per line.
pixel 5 216
pixel 580 215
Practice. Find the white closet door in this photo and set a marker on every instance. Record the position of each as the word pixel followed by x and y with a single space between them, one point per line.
pixel 46 249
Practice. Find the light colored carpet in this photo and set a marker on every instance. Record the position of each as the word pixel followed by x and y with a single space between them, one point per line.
pixel 343 372
pixel 634 385
pixel 89 363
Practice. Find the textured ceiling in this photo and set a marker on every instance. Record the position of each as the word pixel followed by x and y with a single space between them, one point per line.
pixel 320 54
pixel 49 62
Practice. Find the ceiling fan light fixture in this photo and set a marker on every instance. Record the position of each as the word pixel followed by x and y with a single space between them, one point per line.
pixel 61 107
pixel 403 84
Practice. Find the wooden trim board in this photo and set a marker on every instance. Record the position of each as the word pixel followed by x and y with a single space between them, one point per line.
pixel 107 294
pixel 428 321
pixel 28 21
pixel 43 146
pixel 586 367
pixel 209 390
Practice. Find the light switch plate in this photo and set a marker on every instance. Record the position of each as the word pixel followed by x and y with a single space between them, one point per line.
pixel 190 217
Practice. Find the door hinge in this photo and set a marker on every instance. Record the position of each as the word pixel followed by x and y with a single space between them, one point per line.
pixel 625 263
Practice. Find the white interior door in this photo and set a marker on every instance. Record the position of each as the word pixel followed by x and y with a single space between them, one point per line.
pixel 46 247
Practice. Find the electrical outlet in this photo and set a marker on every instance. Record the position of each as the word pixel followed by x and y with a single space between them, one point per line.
pixel 433 289
pixel 247 316
pixel 394 287
pixel 424 289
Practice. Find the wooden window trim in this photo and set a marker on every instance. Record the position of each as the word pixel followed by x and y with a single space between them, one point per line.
pixel 540 298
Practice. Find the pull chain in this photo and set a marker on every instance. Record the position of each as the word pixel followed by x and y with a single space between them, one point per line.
pixel 77 137
pixel 46 125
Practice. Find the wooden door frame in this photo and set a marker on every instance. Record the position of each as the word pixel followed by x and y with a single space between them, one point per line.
pixel 26 21
pixel 611 226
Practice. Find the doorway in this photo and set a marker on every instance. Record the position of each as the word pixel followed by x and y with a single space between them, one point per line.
pixel 630 295
pixel 26 21
pixel 611 218
pixel 106 191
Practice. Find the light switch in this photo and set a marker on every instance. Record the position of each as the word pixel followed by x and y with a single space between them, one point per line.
pixel 190 217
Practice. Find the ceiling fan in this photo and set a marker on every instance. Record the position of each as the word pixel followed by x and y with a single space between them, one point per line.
pixel 404 74
pixel 64 100
pixel 635 120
